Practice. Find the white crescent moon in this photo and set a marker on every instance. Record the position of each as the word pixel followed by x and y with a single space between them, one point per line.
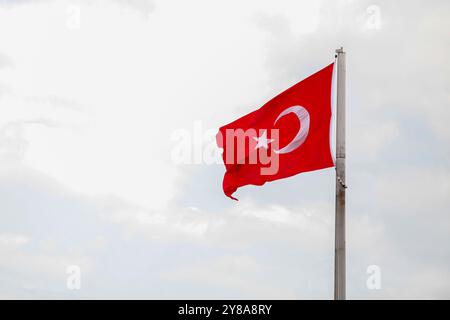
pixel 303 116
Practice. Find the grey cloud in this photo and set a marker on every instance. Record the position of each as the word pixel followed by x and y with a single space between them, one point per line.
pixel 153 254
pixel 277 242
pixel 398 155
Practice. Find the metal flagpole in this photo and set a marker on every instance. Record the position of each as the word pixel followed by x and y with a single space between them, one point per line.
pixel 339 246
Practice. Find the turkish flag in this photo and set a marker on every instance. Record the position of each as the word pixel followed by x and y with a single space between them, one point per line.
pixel 288 135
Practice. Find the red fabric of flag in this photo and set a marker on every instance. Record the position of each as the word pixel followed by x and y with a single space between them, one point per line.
pixel 288 135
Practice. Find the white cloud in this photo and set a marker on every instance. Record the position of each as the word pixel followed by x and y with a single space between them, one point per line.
pixel 85 169
pixel 13 239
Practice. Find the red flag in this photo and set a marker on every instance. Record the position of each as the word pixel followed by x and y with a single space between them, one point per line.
pixel 288 135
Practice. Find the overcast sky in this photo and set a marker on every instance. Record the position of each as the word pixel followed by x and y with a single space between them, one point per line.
pixel 94 93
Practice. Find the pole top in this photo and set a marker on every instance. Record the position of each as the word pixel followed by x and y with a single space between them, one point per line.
pixel 340 50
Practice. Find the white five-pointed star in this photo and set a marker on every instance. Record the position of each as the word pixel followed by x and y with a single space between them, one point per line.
pixel 262 141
